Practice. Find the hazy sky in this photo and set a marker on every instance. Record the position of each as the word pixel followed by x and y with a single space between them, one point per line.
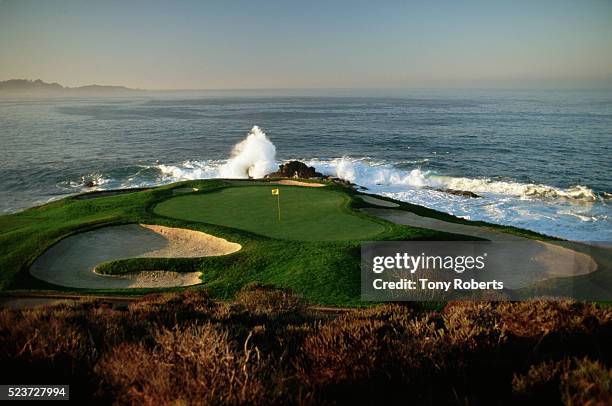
pixel 304 44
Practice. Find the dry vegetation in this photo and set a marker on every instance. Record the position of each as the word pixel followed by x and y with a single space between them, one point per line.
pixel 267 347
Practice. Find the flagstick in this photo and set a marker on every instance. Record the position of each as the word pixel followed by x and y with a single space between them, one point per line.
pixel 278 201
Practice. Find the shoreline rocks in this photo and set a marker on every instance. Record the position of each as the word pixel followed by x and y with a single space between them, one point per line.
pixel 295 169
pixel 464 193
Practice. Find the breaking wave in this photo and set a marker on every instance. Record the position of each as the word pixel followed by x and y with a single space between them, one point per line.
pixel 253 157
pixel 575 212
pixel 190 170
pixel 372 174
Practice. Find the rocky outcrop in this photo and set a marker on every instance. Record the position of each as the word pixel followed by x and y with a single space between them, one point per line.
pixel 464 193
pixel 295 169
pixel 340 181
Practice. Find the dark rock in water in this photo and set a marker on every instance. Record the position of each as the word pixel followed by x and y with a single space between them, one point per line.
pixel 341 181
pixel 295 169
pixel 464 193
pixel 89 180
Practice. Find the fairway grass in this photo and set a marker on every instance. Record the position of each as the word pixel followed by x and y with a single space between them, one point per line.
pixel 307 214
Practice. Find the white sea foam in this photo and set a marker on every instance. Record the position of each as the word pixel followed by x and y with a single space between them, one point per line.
pixel 370 174
pixel 575 212
pixel 92 181
pixel 190 170
pixel 254 157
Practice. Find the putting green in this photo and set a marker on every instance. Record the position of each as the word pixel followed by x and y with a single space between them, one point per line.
pixel 310 214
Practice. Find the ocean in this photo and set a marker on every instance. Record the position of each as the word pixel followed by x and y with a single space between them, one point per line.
pixel 540 160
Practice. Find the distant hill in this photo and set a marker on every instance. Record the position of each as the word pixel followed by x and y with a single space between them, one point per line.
pixel 18 87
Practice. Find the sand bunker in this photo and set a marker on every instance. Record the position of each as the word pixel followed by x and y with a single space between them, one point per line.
pixel 72 261
pixel 290 182
pixel 377 202
pixel 519 263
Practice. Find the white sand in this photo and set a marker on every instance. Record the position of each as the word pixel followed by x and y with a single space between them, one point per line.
pixel 290 182
pixel 72 261
pixel 377 202
pixel 519 264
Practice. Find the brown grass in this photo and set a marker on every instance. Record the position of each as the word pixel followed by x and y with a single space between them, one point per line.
pixel 569 381
pixel 197 362
pixel 267 347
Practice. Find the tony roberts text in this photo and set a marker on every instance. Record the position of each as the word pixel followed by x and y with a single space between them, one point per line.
pixel 426 284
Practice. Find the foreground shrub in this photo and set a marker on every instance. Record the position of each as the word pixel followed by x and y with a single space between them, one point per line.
pixel 534 318
pixel 198 362
pixel 572 382
pixel 266 300
pixel 268 347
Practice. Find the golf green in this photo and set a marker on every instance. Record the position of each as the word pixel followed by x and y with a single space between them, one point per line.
pixel 309 214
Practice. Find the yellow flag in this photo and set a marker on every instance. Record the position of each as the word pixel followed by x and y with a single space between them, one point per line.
pixel 275 192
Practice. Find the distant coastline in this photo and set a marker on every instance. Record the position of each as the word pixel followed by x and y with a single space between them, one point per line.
pixel 26 87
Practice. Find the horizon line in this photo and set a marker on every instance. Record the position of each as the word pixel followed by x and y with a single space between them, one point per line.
pixel 507 84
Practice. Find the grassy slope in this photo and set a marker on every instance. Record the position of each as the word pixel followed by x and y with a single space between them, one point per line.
pixel 324 272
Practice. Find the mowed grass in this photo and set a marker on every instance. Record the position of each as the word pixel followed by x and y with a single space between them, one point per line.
pixel 307 214
pixel 324 271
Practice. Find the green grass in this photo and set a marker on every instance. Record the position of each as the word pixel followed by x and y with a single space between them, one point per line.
pixel 285 254
pixel 307 214
pixel 324 272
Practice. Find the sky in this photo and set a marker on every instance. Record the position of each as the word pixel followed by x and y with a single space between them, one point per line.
pixel 307 44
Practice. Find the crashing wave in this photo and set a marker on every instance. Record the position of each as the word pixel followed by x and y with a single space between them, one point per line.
pixel 365 173
pixel 548 209
pixel 190 170
pixel 254 157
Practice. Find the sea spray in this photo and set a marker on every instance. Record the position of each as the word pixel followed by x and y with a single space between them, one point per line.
pixel 370 174
pixel 190 170
pixel 575 212
pixel 345 169
pixel 254 157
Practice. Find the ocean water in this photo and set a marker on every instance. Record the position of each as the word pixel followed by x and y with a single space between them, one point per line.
pixel 540 160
